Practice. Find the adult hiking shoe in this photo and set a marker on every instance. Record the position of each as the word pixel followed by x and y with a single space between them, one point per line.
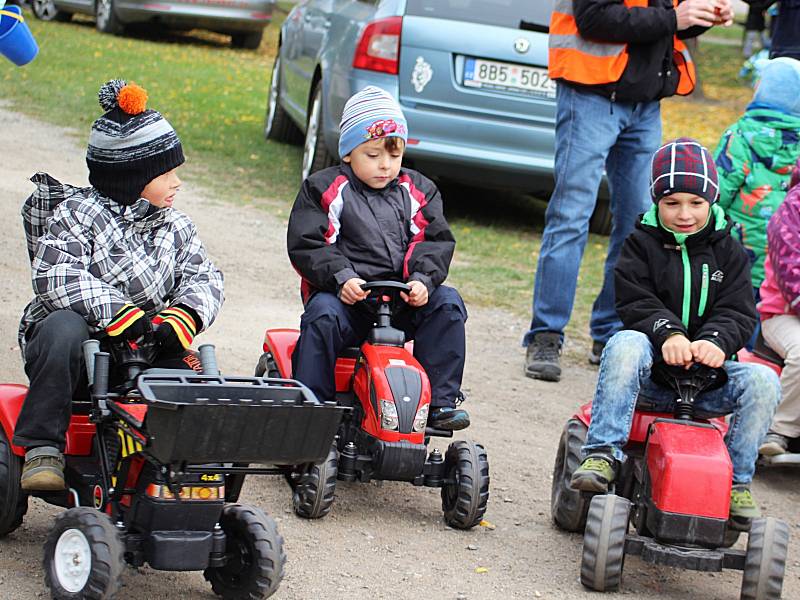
pixel 774 444
pixel 445 417
pixel 43 470
pixel 543 355
pixel 742 504
pixel 594 475
pixel 596 352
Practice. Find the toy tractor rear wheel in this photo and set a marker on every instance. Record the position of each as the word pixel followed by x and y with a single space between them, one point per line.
pixel 765 562
pixel 83 555
pixel 568 507
pixel 13 501
pixel 466 491
pixel 254 553
pixel 604 542
pixel 314 486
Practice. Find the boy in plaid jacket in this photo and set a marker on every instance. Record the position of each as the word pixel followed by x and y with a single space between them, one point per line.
pixel 108 261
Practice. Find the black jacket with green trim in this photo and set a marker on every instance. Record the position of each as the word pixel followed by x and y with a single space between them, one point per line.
pixel 658 295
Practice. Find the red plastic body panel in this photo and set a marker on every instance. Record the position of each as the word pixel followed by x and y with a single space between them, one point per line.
pixel 372 374
pixel 642 421
pixel 12 395
pixel 747 356
pixel 690 470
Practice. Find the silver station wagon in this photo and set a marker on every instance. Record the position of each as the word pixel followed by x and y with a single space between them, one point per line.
pixel 243 20
pixel 471 76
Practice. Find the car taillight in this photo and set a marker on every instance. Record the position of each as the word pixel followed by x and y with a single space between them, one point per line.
pixel 379 46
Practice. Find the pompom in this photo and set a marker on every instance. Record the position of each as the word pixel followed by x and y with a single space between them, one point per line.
pixel 132 99
pixel 108 93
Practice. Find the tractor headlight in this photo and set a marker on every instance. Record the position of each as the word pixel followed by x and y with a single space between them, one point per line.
pixel 421 418
pixel 389 418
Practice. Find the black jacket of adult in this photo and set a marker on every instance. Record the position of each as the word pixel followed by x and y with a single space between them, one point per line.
pixel 786 34
pixel 651 73
pixel 700 287
pixel 340 228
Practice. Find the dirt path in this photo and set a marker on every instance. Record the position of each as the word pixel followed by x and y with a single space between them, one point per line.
pixel 379 541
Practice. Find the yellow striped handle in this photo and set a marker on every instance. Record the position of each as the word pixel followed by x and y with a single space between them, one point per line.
pixel 13 15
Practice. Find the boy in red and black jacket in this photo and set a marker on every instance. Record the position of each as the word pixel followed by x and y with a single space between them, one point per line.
pixel 369 219
pixel 683 295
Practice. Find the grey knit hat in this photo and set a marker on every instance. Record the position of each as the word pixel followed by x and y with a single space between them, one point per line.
pixel 129 145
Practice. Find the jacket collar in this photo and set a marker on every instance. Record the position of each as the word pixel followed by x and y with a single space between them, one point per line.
pixel 141 214
pixel 717 226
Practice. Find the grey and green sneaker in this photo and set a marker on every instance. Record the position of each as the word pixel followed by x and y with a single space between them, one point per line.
pixel 742 504
pixel 43 470
pixel 594 475
pixel 774 444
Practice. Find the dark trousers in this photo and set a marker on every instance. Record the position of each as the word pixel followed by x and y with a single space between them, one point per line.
pixel 57 373
pixel 328 325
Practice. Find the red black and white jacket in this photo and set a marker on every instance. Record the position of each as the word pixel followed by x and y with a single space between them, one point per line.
pixel 339 228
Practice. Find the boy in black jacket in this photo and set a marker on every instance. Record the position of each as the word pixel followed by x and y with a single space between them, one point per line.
pixel 683 294
pixel 366 220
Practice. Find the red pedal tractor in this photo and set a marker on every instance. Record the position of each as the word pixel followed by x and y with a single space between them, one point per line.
pixel 385 435
pixel 153 474
pixel 673 491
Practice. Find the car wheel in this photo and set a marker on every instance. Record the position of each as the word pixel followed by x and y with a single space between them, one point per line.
pixel 315 153
pixel 106 17
pixel 278 126
pixel 249 40
pixel 46 10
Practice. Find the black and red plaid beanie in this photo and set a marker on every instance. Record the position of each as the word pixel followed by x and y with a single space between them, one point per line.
pixel 683 165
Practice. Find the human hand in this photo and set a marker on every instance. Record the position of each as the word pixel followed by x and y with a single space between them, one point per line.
pixel 351 291
pixel 129 323
pixel 691 13
pixel 418 296
pixel 176 329
pixel 708 353
pixel 677 350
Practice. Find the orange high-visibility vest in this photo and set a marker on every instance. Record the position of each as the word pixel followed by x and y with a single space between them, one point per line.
pixel 575 58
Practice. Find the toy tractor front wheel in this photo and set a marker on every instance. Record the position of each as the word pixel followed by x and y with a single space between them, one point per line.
pixel 83 556
pixel 765 561
pixel 466 491
pixel 604 542
pixel 568 507
pixel 13 501
pixel 314 486
pixel 254 553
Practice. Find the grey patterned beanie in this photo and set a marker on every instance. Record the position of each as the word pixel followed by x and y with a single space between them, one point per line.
pixel 129 145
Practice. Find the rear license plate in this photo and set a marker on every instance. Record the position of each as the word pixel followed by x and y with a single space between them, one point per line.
pixel 494 75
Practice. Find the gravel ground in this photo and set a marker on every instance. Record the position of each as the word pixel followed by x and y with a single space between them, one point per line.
pixel 379 541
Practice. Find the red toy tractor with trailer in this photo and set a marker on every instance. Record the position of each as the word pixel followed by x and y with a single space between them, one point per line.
pixel 673 491
pixel 153 473
pixel 385 436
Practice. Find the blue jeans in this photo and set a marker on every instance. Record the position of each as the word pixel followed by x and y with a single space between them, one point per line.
pixel 592 133
pixel 751 393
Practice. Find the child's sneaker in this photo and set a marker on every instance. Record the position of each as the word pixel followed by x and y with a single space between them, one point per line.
pixel 594 475
pixel 43 470
pixel 742 504
pixel 445 417
pixel 774 444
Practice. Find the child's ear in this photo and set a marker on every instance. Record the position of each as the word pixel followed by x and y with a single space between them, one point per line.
pixel 346 159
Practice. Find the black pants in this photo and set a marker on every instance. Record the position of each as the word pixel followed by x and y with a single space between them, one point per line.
pixel 57 373
pixel 328 325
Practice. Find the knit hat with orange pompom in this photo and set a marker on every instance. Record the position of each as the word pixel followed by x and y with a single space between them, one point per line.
pixel 129 145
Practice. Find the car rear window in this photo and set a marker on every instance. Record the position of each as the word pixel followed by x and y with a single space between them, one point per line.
pixel 519 14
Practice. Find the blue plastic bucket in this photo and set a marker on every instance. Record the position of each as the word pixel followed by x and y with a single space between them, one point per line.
pixel 16 41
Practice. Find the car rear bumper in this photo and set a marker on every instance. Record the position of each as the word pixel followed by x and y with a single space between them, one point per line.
pixel 228 16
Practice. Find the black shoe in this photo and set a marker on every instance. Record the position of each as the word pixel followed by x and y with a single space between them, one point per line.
pixel 542 357
pixel 596 352
pixel 445 417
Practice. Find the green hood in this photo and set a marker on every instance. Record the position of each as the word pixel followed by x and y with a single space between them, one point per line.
pixel 772 134
pixel 650 218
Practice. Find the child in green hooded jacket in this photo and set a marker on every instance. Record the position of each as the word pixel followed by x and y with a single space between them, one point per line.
pixel 756 156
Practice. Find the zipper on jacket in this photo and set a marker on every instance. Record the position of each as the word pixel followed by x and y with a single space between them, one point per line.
pixel 703 292
pixel 687 286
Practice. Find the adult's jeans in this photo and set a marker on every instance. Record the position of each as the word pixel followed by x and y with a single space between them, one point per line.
pixel 328 325
pixel 751 394
pixel 592 133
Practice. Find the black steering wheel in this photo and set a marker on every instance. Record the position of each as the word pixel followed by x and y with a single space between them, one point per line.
pixel 697 378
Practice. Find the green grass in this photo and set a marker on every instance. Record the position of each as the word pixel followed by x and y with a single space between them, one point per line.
pixel 216 99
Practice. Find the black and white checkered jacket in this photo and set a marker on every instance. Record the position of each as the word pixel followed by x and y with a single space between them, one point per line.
pixel 92 255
